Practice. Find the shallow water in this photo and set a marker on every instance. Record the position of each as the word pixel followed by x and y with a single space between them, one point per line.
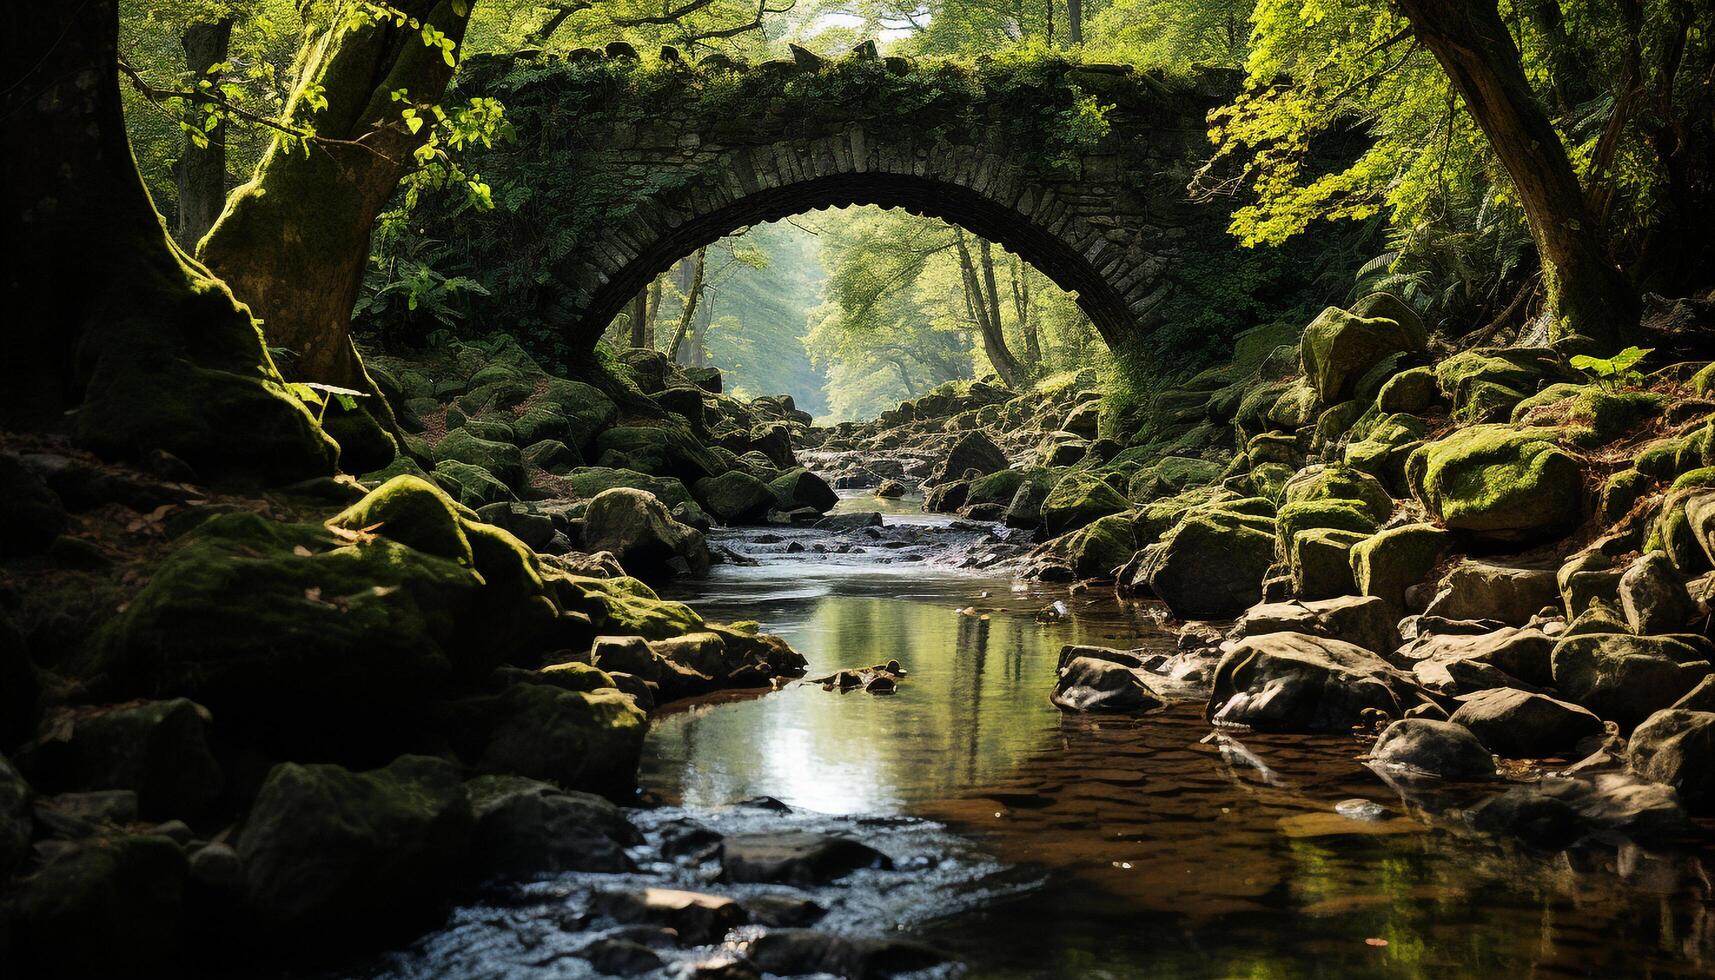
pixel 1154 852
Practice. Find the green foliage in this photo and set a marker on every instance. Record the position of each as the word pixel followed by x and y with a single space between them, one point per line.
pixel 1613 373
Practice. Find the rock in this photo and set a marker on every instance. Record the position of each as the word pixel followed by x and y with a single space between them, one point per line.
pixel 1587 578
pixel 1320 562
pixel 1485 590
pixel 31 514
pixel 1338 347
pixel 77 815
pixel 1432 748
pixel 15 820
pixel 973 451
pixel 659 450
pixel 640 532
pixel 344 853
pixel 849 521
pixel 159 749
pixel 797 952
pixel 1518 724
pixel 1100 547
pixel 1090 684
pixel 523 521
pixel 1364 621
pixel 110 906
pixel 1179 571
pixel 699 919
pixel 1077 499
pixel 890 489
pixel 628 654
pixel 735 497
pixel 796 858
pixel 1498 481
pixel 501 459
pixel 783 911
pixel 1411 391
pixel 1677 747
pixel 1653 597
pixel 1290 682
pixel 1334 481
pixel 1555 812
pixel 1625 678
pixel 471 486
pixel 801 488
pixel 1024 511
pixel 576 739
pixel 616 957
pixel 774 440
pixel 217 866
pixel 1699 698
pixel 1524 653
pixel 1388 562
pixel 526 827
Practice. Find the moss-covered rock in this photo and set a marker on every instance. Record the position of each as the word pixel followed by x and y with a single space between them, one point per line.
pixel 735 497
pixel 1338 347
pixel 575 739
pixel 344 853
pixel 1620 493
pixel 1411 391
pixel 1331 514
pixel 583 484
pixel 1296 407
pixel 799 487
pixel 1485 384
pixel 1391 561
pixel 1171 475
pixel 586 409
pixel 996 488
pixel 113 906
pixel 625 606
pixel 161 750
pixel 413 512
pixel 1499 481
pixel 1332 481
pixel 502 460
pixel 1097 549
pixel 657 450
pixel 1078 498
pixel 639 531
pixel 470 485
pixel 1210 565
pixel 1386 446
pixel 1334 422
pixel 1320 562
pixel 1625 678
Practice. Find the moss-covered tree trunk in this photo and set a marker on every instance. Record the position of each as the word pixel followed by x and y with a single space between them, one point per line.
pixel 293 241
pixel 1587 293
pixel 201 170
pixel 111 333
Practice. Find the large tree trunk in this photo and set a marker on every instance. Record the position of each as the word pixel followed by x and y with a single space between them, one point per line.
pixel 201 170
pixel 640 319
pixel 293 242
pixel 113 334
pixel 1075 21
pixel 1587 294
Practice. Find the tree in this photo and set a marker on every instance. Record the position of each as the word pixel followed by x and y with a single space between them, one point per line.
pixel 1586 292
pixel 982 300
pixel 113 334
pixel 293 242
pixel 201 168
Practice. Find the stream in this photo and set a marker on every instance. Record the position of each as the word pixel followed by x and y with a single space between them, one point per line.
pixel 1028 843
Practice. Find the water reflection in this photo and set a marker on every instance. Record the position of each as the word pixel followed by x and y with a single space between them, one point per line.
pixel 1166 854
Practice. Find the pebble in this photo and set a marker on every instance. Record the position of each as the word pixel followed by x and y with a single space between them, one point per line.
pixel 1360 809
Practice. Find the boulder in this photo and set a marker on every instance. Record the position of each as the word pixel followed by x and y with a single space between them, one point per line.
pixel 1518 724
pixel 735 497
pixel 1411 391
pixel 1335 481
pixel 108 906
pixel 1338 347
pixel 1320 562
pixel 800 952
pixel 1209 566
pixel 1102 546
pixel 1499 482
pixel 1391 561
pixel 801 488
pixel 1524 653
pixel 15 821
pixel 640 532
pixel 973 451
pixel 1555 812
pixel 1625 678
pixel 1078 498
pixel 699 919
pixel 795 858
pixel 1091 684
pixel 659 450
pixel 1486 590
pixel 31 514
pixel 503 460
pixel 575 739
pixel 343 853
pixel 413 512
pixel 1363 621
pixel 471 486
pixel 1423 746
pixel 890 489
pixel 159 749
pixel 626 654
pixel 1291 682
pixel 1653 598
pixel 526 827
pixel 1677 747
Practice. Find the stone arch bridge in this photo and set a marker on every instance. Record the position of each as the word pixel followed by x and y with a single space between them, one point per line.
pixel 622 168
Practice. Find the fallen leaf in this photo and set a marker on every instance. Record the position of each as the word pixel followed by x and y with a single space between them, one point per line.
pixel 301 551
pixel 1375 941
